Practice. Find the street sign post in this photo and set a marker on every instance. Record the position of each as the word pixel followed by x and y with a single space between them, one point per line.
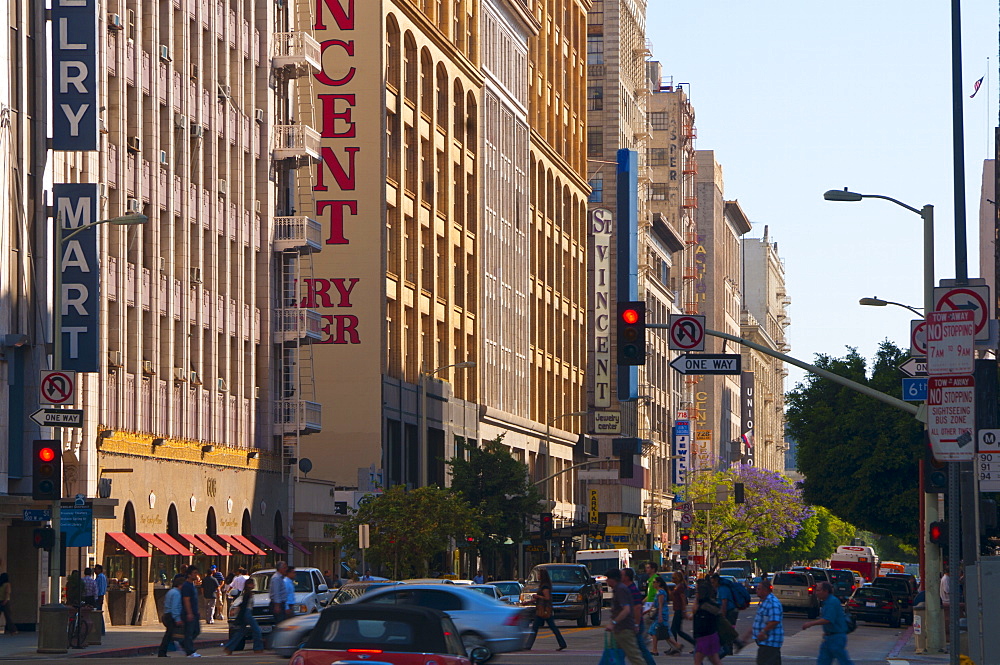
pixel 58 417
pixel 687 519
pixel 708 363
pixel 951 417
pixel 950 343
pixel 915 389
pixel 687 332
pixel 36 515
pixel 914 367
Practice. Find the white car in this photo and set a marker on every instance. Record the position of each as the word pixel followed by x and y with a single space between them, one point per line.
pixel 481 620
pixel 311 595
pixel 510 591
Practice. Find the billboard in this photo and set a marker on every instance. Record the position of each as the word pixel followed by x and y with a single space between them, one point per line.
pixel 77 206
pixel 75 120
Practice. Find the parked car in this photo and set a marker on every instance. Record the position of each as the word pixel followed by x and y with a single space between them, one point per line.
pixel 481 621
pixel 909 577
pixel 429 580
pixel 311 595
pixel 291 634
pixel 510 591
pixel 876 604
pixel 904 594
pixel 796 591
pixel 756 580
pixel 487 590
pixel 575 594
pixel 843 583
pixel 393 635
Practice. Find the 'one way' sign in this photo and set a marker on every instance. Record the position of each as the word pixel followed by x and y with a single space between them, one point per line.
pixel 708 363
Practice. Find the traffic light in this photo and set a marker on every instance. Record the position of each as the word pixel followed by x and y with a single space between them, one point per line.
pixel 44 538
pixel 935 474
pixel 546 526
pixel 739 493
pixel 46 470
pixel 938 533
pixel 685 541
pixel 626 448
pixel 631 332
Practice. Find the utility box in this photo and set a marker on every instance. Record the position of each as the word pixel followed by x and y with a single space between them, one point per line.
pixel 982 602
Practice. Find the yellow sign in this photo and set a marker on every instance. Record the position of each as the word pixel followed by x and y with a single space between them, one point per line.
pixel 617 530
pixel 703 435
pixel 595 515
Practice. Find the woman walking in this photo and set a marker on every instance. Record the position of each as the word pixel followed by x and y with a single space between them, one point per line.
pixel 706 624
pixel 543 610
pixel 10 628
pixel 679 599
pixel 659 624
pixel 244 619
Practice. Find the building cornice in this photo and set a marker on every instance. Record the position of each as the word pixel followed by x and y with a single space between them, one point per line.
pixel 519 11
pixel 738 217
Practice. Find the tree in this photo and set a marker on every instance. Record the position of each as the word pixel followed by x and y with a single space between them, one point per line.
pixel 407 528
pixel 773 510
pixel 817 540
pixel 498 488
pixel 859 456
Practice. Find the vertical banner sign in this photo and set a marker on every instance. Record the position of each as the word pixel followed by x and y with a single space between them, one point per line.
pixel 601 226
pixel 75 120
pixel 76 206
pixel 594 514
pixel 682 451
pixel 747 417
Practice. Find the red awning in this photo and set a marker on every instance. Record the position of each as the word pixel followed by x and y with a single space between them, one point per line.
pixel 235 544
pixel 200 545
pixel 130 545
pixel 156 542
pixel 250 545
pixel 297 546
pixel 269 545
pixel 212 544
pixel 174 543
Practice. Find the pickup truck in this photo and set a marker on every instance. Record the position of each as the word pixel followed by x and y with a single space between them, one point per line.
pixel 311 595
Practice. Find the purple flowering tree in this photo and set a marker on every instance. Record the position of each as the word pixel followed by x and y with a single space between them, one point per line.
pixel 772 511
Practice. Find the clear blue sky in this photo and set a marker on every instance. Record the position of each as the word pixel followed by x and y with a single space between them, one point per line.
pixel 799 97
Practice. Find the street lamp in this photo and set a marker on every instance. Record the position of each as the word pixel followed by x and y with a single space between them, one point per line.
pixel 422 434
pixel 878 302
pixel 930 560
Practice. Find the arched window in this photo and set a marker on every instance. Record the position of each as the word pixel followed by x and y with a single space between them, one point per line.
pixel 459 112
pixel 426 83
pixel 410 59
pixel 211 527
pixel 392 54
pixel 472 122
pixel 442 97
pixel 279 528
pixel 128 520
pixel 246 526
pixel 173 526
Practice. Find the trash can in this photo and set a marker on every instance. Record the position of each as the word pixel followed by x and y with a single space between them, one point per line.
pixel 53 620
pixel 96 620
pixel 919 635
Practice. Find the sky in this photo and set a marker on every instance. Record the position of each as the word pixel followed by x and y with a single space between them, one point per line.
pixel 796 98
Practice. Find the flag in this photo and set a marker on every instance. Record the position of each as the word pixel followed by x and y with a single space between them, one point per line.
pixel 748 440
pixel 975 87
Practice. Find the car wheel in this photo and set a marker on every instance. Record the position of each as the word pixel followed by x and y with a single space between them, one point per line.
pixel 595 618
pixel 812 612
pixel 473 641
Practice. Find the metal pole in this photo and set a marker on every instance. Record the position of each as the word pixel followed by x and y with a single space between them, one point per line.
pixel 422 429
pixel 954 545
pixel 55 590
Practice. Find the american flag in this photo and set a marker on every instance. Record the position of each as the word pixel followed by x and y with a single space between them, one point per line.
pixel 975 86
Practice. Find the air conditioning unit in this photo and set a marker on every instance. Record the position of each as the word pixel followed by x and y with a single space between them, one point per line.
pixel 180 121
pixel 133 206
pixel 196 275
pixel 258 115
pixel 222 187
pixel 163 158
pixel 195 378
pixel 221 385
pixel 147 368
pixel 225 92
pixel 180 374
pixel 256 392
pixel 165 53
pixel 133 144
pixel 163 264
pixel 115 22
pixel 102 190
pixel 116 359
pixel 197 131
pixel 256 207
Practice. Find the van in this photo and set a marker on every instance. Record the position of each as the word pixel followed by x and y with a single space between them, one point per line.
pixel 796 591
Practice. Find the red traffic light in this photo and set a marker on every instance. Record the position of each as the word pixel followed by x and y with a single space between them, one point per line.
pixel 685 537
pixel 470 539
pixel 938 533
pixel 46 454
pixel 630 316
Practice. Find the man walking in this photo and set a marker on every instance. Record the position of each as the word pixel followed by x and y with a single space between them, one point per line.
pixel 101 580
pixel 278 593
pixel 220 605
pixel 289 592
pixel 210 591
pixel 173 614
pixel 628 577
pixel 192 622
pixel 767 629
pixel 727 601
pixel 623 625
pixel 834 624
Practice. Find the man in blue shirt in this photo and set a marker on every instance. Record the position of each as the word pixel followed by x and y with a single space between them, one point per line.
pixel 192 622
pixel 628 578
pixel 278 592
pixel 173 612
pixel 767 629
pixel 102 590
pixel 834 624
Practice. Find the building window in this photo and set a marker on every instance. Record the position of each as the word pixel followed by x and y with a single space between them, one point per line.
pixel 658 191
pixel 595 98
pixel 596 191
pixel 595 49
pixel 658 157
pixel 659 120
pixel 595 142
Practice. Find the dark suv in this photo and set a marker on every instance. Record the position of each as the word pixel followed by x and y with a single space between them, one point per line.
pixel 575 594
pixel 843 583
pixel 903 593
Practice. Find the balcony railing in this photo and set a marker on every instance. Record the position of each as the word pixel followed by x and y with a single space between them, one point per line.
pixel 294 325
pixel 295 142
pixel 296 51
pixel 299 233
pixel 292 415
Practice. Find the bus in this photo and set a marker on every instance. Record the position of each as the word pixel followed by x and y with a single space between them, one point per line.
pixel 886 567
pixel 857 557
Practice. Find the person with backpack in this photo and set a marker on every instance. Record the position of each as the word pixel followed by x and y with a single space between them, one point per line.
pixel 835 627
pixel 210 591
pixel 732 597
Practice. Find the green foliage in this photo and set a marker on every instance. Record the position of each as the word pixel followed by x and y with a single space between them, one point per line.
pixel 407 528
pixel 858 455
pixel 821 534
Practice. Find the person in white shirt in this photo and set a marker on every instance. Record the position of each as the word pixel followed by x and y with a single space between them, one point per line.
pixel 945 593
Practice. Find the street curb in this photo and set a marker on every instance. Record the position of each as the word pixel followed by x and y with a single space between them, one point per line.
pixel 900 643
pixel 148 650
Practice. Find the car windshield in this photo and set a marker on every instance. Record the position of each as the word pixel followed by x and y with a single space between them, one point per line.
pixel 485 590
pixel 889 583
pixel 601 566
pixel 818 573
pixel 352 633
pixel 733 572
pixel 508 588
pixel 563 575
pixel 303 581
pixel 841 577
pixel 871 593
pixel 790 579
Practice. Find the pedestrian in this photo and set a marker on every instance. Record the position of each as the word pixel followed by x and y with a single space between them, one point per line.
pixel 173 614
pixel 706 624
pixel 479 579
pixel 543 610
pixel 679 600
pixel 367 577
pixel 192 622
pixel 74 589
pixel 289 592
pixel 659 623
pixel 944 592
pixel 245 619
pixel 239 580
pixel 623 625
pixel 834 622
pixel 89 587
pixel 278 592
pixel 210 595
pixel 652 570
pixel 102 590
pixel 767 629
pixel 628 577
pixel 727 603
pixel 220 594
pixel 10 628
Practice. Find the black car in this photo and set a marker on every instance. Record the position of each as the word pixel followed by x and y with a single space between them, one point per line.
pixel 575 594
pixel 843 583
pixel 875 604
pixel 909 577
pixel 904 594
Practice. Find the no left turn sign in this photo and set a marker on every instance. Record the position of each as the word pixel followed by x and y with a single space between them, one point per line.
pixel 687 332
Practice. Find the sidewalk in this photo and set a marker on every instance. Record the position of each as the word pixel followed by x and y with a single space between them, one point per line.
pixel 119 641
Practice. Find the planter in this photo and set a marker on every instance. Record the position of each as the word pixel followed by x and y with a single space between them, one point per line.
pixel 121 607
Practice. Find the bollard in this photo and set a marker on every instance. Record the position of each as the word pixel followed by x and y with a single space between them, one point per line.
pixel 53 621
pixel 919 634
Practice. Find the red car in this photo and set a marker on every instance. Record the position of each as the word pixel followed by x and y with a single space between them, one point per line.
pixel 385 634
